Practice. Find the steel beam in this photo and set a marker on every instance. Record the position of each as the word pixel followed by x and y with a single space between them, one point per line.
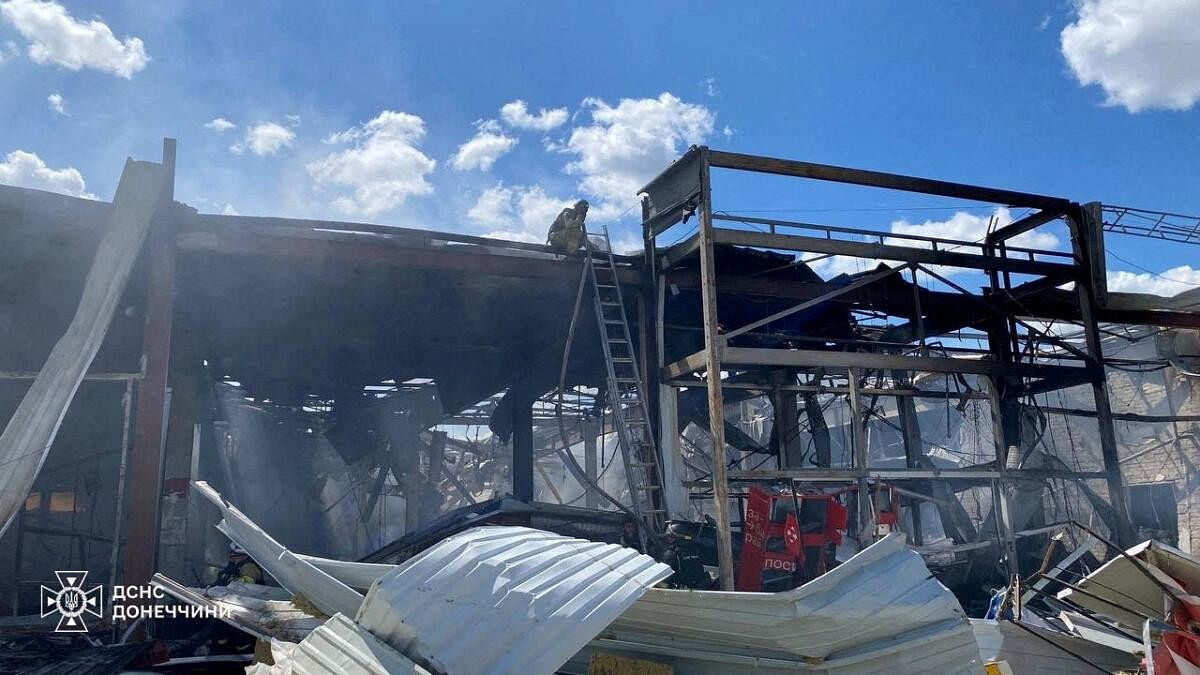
pixel 1025 224
pixel 817 475
pixel 814 358
pixel 908 254
pixel 837 292
pixel 891 181
pixel 1080 221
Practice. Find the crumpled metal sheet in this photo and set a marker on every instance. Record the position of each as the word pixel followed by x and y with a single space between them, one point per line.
pixel 337 647
pixel 880 611
pixel 293 573
pixel 266 612
pixel 356 575
pixel 505 599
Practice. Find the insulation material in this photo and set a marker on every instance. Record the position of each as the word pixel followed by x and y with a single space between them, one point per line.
pixel 27 438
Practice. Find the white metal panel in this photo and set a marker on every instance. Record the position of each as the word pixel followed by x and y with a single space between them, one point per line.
pixel 298 576
pixel 265 612
pixel 1120 590
pixel 342 647
pixel 881 609
pixel 505 599
pixel 356 575
pixel 1028 654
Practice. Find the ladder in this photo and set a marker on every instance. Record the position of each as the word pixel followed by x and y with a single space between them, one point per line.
pixel 630 412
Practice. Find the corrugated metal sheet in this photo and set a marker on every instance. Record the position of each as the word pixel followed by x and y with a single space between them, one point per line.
pixel 1025 653
pixel 342 646
pixel 880 611
pixel 1119 590
pixel 505 599
pixel 298 576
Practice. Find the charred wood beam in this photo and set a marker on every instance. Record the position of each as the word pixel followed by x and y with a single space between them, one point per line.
pixel 448 259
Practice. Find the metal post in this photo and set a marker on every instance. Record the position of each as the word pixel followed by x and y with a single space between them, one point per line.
pixel 787 417
pixel 141 550
pixel 126 406
pixel 712 353
pixel 1084 225
pixel 1004 532
pixel 590 464
pixel 522 449
pixel 910 429
pixel 858 441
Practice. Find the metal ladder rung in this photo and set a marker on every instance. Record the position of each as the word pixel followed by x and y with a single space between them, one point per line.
pixel 647 487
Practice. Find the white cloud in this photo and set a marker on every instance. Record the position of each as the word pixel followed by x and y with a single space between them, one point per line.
pixel 710 86
pixel 26 169
pixel 382 168
pixel 521 213
pixel 1171 282
pixel 961 226
pixel 482 150
pixel 517 115
pixel 57 103
pixel 56 37
pixel 266 138
pixel 627 145
pixel 229 210
pixel 8 50
pixel 219 125
pixel 1143 53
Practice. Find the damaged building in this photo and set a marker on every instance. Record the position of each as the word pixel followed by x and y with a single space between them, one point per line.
pixel 354 405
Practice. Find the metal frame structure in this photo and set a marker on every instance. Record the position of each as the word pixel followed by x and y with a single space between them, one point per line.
pixel 1010 366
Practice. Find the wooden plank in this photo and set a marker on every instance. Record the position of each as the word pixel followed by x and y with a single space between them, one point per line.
pixel 145 458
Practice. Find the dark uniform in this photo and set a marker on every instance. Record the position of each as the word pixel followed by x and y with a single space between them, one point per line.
pixel 683 556
pixel 566 233
pixel 240 568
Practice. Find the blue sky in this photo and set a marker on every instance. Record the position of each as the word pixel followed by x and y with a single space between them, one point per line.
pixel 361 111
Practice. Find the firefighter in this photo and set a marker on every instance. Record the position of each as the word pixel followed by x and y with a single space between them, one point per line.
pixel 240 568
pixel 566 233
pixel 629 536
pixel 683 555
